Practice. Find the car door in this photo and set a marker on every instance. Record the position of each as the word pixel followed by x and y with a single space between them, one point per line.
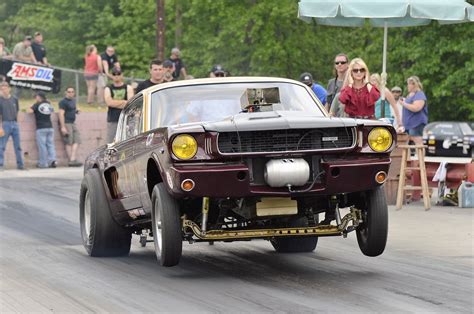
pixel 122 172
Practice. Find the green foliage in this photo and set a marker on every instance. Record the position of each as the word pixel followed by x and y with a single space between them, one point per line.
pixel 250 37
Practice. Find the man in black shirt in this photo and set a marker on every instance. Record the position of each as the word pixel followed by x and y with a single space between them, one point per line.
pixel 116 96
pixel 168 67
pixel 39 50
pixel 156 75
pixel 179 66
pixel 109 61
pixel 69 131
pixel 43 109
pixel 8 124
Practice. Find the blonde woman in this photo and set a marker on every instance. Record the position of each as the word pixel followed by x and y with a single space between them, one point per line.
pixel 357 94
pixel 390 101
pixel 92 68
pixel 415 109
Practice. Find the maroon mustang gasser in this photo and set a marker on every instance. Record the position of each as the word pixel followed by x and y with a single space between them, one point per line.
pixel 233 159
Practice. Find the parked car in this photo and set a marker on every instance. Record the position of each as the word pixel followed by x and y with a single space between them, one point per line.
pixel 231 159
pixel 449 139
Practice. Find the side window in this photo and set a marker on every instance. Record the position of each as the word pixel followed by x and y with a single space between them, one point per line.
pixel 132 124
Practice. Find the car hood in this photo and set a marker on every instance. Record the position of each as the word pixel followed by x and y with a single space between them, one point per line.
pixel 275 120
pixel 272 120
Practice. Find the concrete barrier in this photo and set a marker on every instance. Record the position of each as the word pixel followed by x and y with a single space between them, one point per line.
pixel 92 125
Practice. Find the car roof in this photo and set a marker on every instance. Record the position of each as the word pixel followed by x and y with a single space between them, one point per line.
pixel 220 80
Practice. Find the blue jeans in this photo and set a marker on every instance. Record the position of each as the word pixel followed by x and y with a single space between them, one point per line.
pixel 46 150
pixel 11 129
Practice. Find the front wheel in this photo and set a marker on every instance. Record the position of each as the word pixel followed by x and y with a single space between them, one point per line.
pixel 166 225
pixel 372 233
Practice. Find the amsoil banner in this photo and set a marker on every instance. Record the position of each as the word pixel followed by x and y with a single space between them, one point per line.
pixel 31 76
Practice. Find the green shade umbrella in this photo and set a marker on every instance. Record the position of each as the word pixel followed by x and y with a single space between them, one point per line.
pixel 385 13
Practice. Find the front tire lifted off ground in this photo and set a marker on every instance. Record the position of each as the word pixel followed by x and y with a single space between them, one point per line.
pixel 372 233
pixel 166 226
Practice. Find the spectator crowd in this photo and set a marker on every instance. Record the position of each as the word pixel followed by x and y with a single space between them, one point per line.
pixel 353 92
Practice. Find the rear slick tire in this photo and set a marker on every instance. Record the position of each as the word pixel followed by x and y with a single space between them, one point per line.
pixel 372 233
pixel 102 236
pixel 296 244
pixel 166 226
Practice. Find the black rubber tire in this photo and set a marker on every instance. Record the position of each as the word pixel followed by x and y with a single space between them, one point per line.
pixel 296 244
pixel 372 233
pixel 166 207
pixel 106 236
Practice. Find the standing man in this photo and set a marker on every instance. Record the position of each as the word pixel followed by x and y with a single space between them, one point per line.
pixel 320 92
pixel 179 66
pixel 8 124
pixel 43 109
pixel 397 93
pixel 23 51
pixel 168 71
pixel 157 73
pixel 109 61
pixel 341 64
pixel 69 131
pixel 116 96
pixel 39 50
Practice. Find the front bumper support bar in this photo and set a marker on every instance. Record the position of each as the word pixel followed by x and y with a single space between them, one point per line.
pixel 343 228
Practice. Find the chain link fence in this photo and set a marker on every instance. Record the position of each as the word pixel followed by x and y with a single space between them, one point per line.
pixel 75 79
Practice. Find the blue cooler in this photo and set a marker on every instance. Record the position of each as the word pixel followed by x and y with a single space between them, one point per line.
pixel 466 195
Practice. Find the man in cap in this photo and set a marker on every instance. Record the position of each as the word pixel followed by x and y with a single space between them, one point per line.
pixel 217 71
pixel 397 93
pixel 43 109
pixel 320 92
pixel 39 50
pixel 23 51
pixel 116 96
pixel 169 69
pixel 179 67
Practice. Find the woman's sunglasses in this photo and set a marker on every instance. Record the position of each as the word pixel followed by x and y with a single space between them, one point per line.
pixel 361 70
pixel 340 62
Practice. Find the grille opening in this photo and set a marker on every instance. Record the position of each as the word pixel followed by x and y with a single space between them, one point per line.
pixel 285 140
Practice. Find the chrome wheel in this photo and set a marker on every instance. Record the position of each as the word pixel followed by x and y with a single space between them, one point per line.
pixel 87 215
pixel 166 225
pixel 159 231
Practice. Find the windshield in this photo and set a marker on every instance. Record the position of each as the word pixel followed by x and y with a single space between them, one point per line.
pixel 214 102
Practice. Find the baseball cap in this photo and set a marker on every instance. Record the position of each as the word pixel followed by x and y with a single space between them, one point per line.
pixel 396 89
pixel 28 37
pixel 306 78
pixel 167 64
pixel 41 94
pixel 116 71
pixel 217 69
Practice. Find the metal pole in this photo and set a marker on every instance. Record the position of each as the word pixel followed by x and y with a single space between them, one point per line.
pixel 160 29
pixel 384 67
pixel 77 87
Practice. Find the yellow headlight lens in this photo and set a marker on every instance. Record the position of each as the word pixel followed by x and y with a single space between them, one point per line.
pixel 184 146
pixel 380 139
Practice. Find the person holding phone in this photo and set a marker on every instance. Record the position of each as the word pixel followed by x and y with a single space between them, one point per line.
pixel 415 109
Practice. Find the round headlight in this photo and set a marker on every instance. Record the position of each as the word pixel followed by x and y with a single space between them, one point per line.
pixel 184 146
pixel 380 139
